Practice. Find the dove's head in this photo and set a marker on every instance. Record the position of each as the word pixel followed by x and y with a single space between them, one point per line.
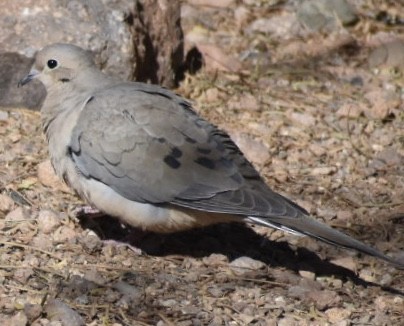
pixel 59 63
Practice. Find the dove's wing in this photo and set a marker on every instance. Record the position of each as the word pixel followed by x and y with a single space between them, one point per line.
pixel 149 146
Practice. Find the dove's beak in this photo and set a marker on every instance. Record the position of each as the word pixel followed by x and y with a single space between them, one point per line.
pixel 32 74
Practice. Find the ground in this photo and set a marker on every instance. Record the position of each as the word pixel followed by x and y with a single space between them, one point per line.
pixel 322 127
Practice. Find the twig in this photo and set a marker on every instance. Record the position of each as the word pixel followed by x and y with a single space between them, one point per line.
pixel 22 288
pixel 16 244
pixel 166 320
pixel 262 281
pixel 42 269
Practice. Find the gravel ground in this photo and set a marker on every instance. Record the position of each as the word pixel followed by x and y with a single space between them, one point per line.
pixel 320 125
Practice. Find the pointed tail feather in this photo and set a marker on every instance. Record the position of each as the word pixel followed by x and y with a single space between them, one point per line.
pixel 305 225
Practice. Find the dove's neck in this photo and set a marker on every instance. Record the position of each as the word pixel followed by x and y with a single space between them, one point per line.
pixel 61 110
pixel 68 98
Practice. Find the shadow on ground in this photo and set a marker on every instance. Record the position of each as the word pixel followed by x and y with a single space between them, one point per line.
pixel 232 240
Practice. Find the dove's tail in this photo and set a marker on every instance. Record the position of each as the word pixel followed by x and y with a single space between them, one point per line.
pixel 305 225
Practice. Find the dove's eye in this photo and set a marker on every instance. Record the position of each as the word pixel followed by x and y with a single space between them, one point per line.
pixel 52 63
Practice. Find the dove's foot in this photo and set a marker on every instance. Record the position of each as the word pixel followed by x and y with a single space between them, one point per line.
pixel 111 231
pixel 123 243
pixel 87 211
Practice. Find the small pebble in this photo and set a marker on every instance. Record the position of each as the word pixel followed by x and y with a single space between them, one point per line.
pixel 48 221
pixel 6 203
pixel 243 265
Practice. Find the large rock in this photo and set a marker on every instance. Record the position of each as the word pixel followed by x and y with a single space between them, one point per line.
pixel 133 39
pixel 326 15
pixel 12 67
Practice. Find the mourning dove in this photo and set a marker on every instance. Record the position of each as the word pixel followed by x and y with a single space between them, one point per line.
pixel 140 153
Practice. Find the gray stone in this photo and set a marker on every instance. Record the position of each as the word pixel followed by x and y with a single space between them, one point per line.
pixel 326 14
pixel 59 311
pixel 388 55
pixel 133 40
pixel 13 67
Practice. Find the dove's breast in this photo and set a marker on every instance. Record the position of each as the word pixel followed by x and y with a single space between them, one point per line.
pixel 158 218
pixel 58 122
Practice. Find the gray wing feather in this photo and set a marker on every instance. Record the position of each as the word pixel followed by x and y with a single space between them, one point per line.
pixel 151 147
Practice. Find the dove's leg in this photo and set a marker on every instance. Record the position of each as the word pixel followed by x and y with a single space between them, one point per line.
pixel 135 235
pixel 87 211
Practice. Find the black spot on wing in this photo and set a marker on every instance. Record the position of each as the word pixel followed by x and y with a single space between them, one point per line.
pixel 205 162
pixel 204 151
pixel 172 162
pixel 190 140
pixel 172 159
pixel 69 151
pixel 176 152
